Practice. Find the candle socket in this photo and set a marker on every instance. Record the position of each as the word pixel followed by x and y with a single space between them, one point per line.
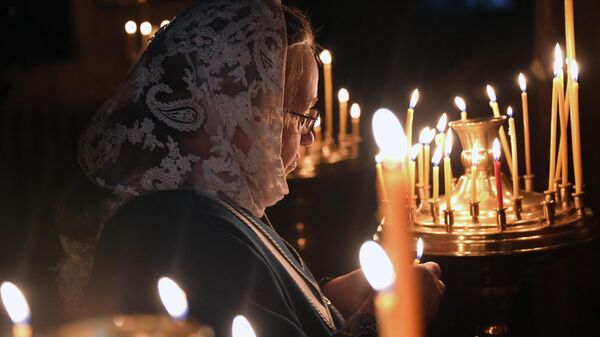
pixel 549 206
pixel 518 206
pixel 557 183
pixel 565 195
pixel 421 193
pixel 449 219
pixel 528 182
pixel 578 203
pixel 413 210
pixel 474 211
pixel 501 218
pixel 434 209
pixel 427 192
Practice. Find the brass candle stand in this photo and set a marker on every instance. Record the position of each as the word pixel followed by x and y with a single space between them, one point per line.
pixel 532 222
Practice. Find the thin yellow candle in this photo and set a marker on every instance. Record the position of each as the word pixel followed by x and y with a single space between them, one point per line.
pixel 474 163
pixel 563 112
pixel 575 128
pixel 414 98
pixel 414 153
pixel 380 179
pixel 462 106
pixel 515 158
pixel 435 161
pixel 326 58
pixel 553 123
pixel 343 97
pixel 145 30
pixel 496 110
pixel 441 129
pixel 525 105
pixel 355 115
pixel 130 30
pixel 316 147
pixel 421 165
pixel 17 308
pixel 448 171
pixel 427 157
pixel 570 31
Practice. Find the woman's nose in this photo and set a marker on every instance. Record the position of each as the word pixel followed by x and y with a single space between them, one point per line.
pixel 307 139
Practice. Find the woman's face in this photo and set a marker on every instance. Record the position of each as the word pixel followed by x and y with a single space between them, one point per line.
pixel 300 95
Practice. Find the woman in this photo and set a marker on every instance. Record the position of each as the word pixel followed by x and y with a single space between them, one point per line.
pixel 193 147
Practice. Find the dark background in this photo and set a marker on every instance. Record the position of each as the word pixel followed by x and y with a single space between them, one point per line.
pixel 62 58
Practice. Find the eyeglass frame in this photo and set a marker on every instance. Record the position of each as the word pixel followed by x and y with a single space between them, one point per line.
pixel 312 119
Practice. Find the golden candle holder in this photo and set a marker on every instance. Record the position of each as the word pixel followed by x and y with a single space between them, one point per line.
pixel 531 223
pixel 528 182
pixel 434 207
pixel 565 195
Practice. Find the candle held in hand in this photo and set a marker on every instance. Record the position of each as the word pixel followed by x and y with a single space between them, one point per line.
pixel 420 248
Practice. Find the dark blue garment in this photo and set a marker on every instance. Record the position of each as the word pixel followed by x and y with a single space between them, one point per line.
pixel 222 265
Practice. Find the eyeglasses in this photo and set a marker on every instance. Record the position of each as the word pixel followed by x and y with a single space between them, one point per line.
pixel 306 121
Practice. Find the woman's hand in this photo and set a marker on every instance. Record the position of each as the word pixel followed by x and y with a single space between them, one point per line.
pixel 349 293
pixel 432 288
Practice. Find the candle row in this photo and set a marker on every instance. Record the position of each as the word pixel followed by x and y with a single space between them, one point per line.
pixel 146 30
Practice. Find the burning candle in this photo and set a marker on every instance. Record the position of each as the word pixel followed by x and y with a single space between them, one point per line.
pixel 325 57
pixel 343 97
pixel 515 158
pixel 427 157
pixel 496 110
pixel 525 105
pixel 570 30
pixel 498 173
pixel 474 162
pixel 435 161
pixel 173 298
pixel 317 132
pixel 448 171
pixel 441 129
pixel 563 153
pixel 414 98
pixel 355 114
pixel 130 30
pixel 17 308
pixel 575 130
pixel 419 251
pixel 145 29
pixel 240 327
pixel 414 152
pixel 422 137
pixel 380 179
pixel 553 123
pixel 462 106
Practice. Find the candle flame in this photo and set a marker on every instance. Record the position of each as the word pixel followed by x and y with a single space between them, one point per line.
pixel 379 158
pixel 509 111
pixel 430 136
pixel 130 27
pixel 522 82
pixel 377 266
pixel 173 298
pixel 318 122
pixel 355 111
pixel 475 154
pixel 389 135
pixel 241 327
pixel 414 98
pixel 423 135
pixel 419 248
pixel 460 103
pixel 496 149
pixel 491 93
pixel 15 303
pixel 414 151
pixel 558 60
pixel 343 95
pixel 325 56
pixel 164 23
pixel 146 28
pixel 441 124
pixel 449 139
pixel 437 155
pixel 574 70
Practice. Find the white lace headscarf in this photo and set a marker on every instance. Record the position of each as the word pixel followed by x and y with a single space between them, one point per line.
pixel 202 110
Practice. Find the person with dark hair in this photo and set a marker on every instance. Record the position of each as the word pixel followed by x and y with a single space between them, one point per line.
pixel 182 162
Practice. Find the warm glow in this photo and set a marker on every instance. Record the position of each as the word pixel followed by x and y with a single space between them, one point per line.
pixel 496 149
pixel 414 98
pixel 355 111
pixel 441 124
pixel 325 57
pixel 574 71
pixel 460 103
pixel 164 23
pixel 173 298
pixel 437 155
pixel 522 82
pixel 430 136
pixel 343 95
pixel 423 135
pixel 419 248
pixel 318 122
pixel 509 111
pixel 475 154
pixel 449 139
pixel 15 303
pixel 377 266
pixel 414 151
pixel 378 158
pixel 389 135
pixel 558 60
pixel 146 28
pixel 491 93
pixel 130 27
pixel 241 327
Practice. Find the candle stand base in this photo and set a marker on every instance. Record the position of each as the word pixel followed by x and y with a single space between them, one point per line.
pixel 528 182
